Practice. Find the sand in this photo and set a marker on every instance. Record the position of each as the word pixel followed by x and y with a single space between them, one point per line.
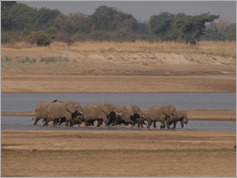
pixel 118 153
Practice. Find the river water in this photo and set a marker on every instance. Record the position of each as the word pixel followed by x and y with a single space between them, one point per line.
pixel 27 102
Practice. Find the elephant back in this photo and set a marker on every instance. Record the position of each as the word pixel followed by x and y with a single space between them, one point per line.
pixel 107 108
pixel 153 112
pixel 90 110
pixel 41 109
pixel 169 110
pixel 57 110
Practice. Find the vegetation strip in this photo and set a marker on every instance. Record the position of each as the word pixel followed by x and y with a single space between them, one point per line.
pixel 9 153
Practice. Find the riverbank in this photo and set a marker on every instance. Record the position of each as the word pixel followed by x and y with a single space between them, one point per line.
pixel 198 114
pixel 114 83
pixel 100 153
pixel 108 67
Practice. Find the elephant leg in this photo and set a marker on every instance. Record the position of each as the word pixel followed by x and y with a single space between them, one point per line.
pixel 46 122
pixel 149 123
pixel 162 125
pixel 71 123
pixel 55 122
pixel 87 123
pixel 139 124
pixel 36 120
pixel 106 122
pixel 100 122
pixel 182 123
pixel 174 125
pixel 62 120
pixel 167 124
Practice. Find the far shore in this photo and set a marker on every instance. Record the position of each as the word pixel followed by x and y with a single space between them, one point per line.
pixel 198 114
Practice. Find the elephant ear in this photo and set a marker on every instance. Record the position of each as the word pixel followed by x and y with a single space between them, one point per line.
pixel 129 110
pixel 104 108
pixel 168 110
pixel 70 108
pixel 165 111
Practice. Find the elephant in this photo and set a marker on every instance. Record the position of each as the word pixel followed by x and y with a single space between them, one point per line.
pixel 182 117
pixel 67 111
pixel 78 114
pixel 40 111
pixel 128 114
pixel 164 113
pixel 101 113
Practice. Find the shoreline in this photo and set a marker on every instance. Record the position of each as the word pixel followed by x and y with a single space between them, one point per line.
pixel 197 114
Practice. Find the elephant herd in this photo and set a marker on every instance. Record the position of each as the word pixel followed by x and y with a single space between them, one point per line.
pixel 71 113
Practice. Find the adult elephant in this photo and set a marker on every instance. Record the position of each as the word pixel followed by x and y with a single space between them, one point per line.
pixel 77 115
pixel 182 117
pixel 101 113
pixel 165 114
pixel 64 110
pixel 129 114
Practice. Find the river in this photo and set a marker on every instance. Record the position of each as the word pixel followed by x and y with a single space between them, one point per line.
pixel 27 102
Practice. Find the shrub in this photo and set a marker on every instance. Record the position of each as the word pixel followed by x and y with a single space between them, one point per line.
pixel 27 60
pixel 7 59
pixel 39 38
pixel 48 60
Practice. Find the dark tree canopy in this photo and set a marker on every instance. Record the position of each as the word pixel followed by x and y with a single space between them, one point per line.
pixel 180 27
pixel 21 22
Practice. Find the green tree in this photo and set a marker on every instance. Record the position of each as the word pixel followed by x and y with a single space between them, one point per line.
pixel 220 31
pixel 110 20
pixel 160 24
pixel 45 17
pixel 180 27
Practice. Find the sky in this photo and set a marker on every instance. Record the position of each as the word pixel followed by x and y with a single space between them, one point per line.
pixel 143 10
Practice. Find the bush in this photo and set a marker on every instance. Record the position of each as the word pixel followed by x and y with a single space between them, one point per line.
pixel 48 60
pixel 27 60
pixel 39 38
pixel 7 59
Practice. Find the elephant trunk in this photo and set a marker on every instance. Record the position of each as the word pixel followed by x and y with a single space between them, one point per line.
pixel 185 120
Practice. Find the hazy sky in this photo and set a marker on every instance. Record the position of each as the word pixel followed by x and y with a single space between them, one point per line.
pixel 142 10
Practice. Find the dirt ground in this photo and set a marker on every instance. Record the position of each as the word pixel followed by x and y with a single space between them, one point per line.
pixel 118 153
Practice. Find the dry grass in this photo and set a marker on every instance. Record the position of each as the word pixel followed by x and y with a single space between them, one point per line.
pixel 225 49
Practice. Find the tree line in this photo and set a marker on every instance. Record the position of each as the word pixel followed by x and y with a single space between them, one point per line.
pixel 20 22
